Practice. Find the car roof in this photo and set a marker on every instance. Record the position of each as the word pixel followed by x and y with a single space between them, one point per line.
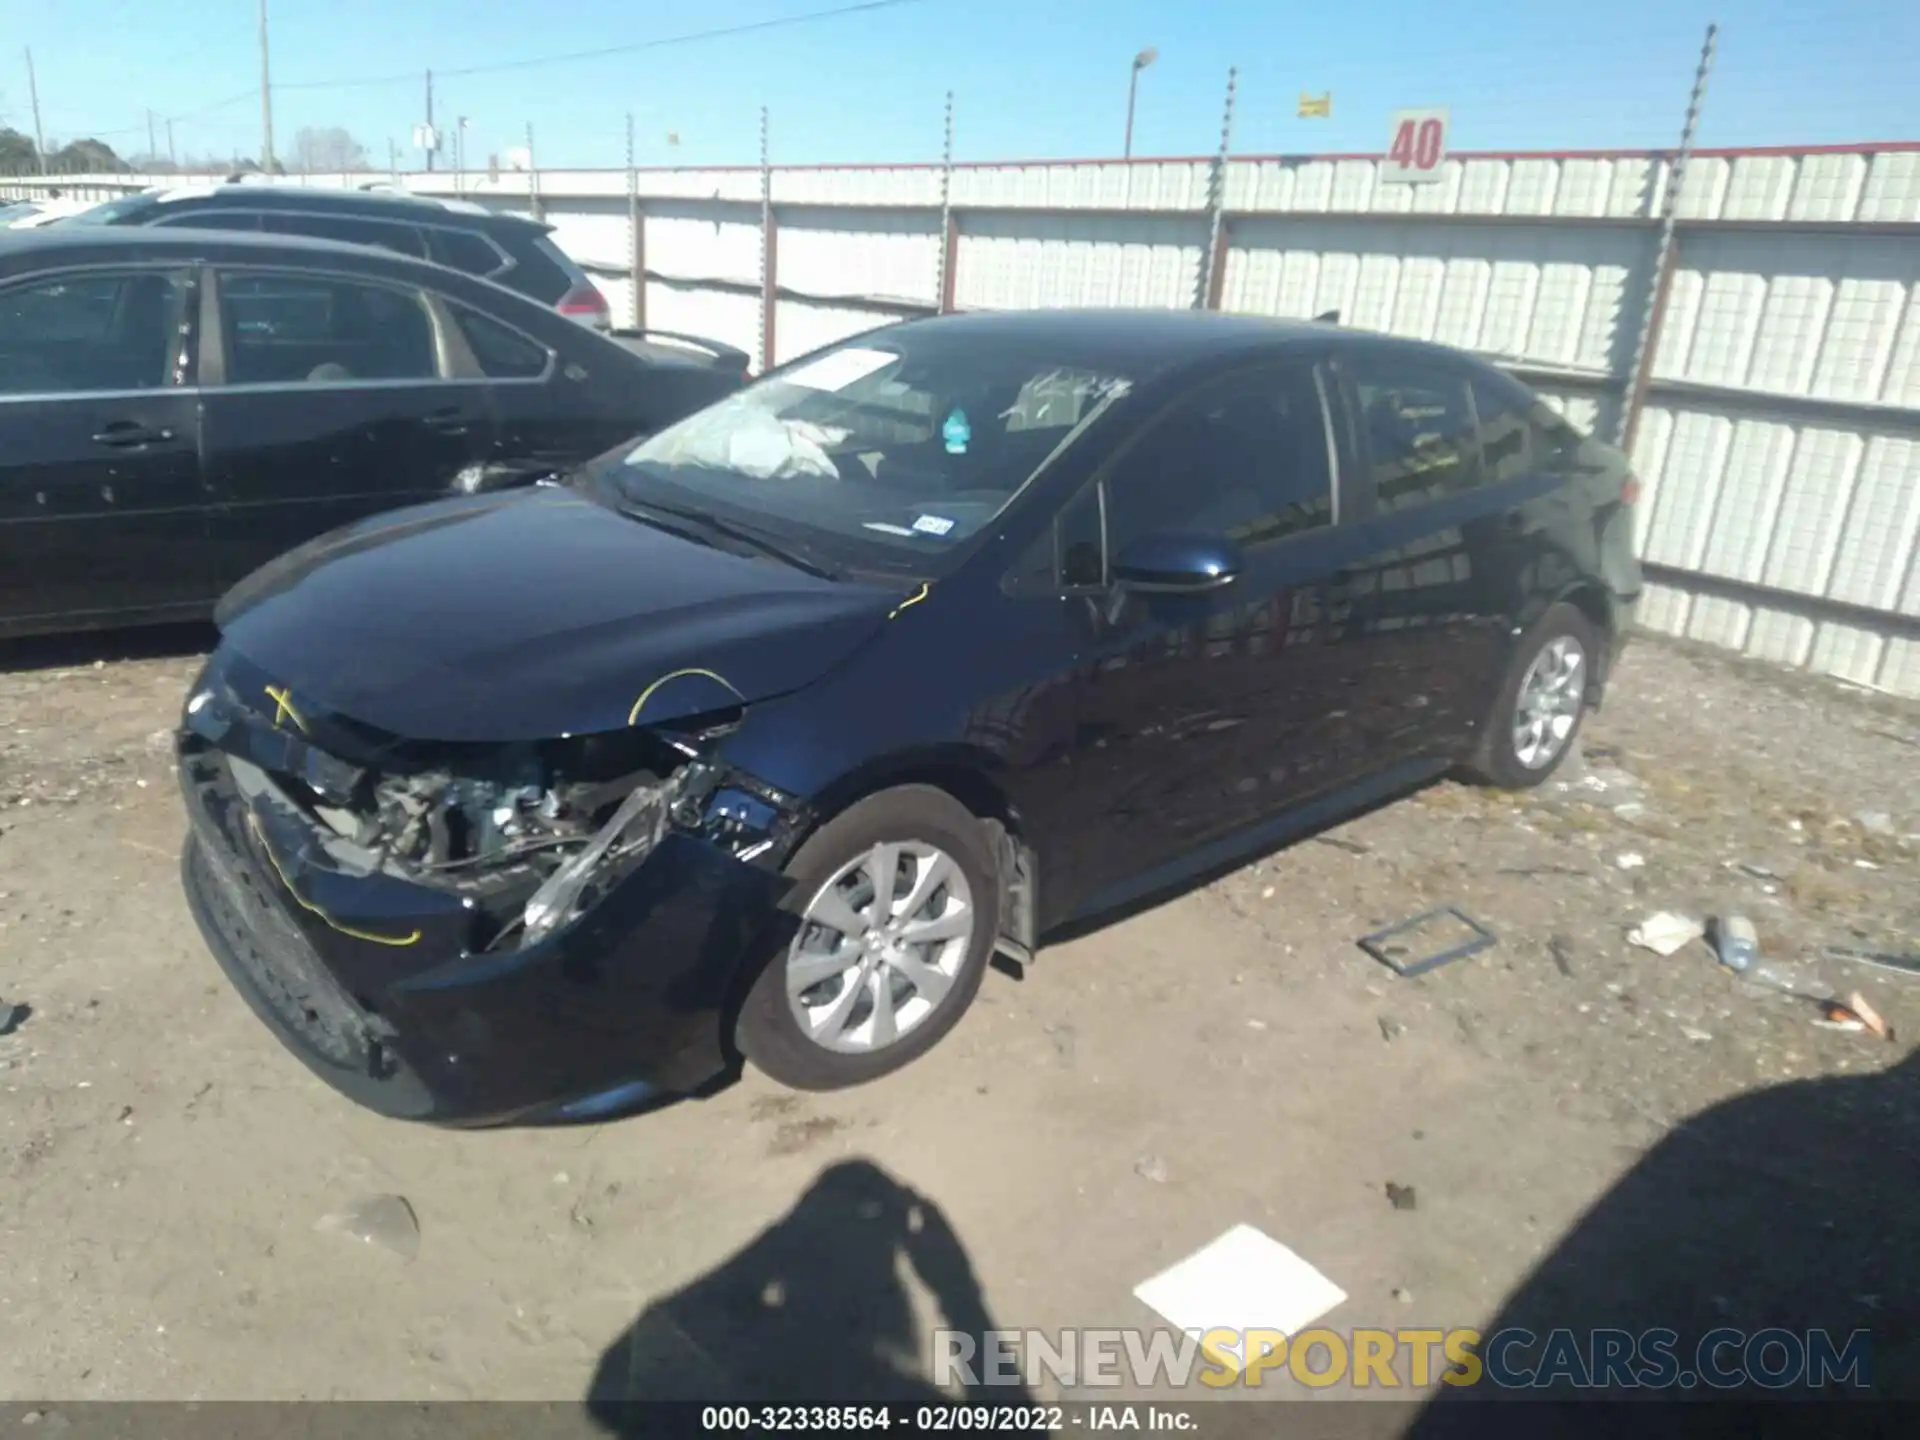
pixel 113 243
pixel 1135 342
pixel 1161 343
pixel 269 195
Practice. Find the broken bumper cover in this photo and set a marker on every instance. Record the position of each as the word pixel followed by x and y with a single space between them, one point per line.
pixel 371 980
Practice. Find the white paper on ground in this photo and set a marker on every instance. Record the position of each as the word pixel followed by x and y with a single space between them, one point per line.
pixel 1243 1281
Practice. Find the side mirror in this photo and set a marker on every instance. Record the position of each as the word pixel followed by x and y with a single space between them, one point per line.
pixel 1177 564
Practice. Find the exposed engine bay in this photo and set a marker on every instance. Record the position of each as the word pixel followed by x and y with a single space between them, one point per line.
pixel 531 834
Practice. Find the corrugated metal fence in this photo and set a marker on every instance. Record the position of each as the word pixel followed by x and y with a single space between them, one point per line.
pixel 1778 439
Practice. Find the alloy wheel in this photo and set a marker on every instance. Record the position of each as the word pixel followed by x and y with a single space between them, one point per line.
pixel 880 945
pixel 1549 703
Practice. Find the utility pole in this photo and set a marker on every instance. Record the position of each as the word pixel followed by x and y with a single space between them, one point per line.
pixel 429 119
pixel 152 151
pixel 173 157
pixel 266 98
pixel 33 95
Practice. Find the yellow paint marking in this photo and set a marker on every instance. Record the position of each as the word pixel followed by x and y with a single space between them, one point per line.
pixel 633 715
pixel 283 707
pixel 305 904
pixel 913 599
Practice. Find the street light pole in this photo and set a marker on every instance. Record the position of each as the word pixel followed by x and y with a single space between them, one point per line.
pixel 1140 62
pixel 266 98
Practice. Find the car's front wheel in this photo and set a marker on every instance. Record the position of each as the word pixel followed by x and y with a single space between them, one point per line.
pixel 1537 714
pixel 901 909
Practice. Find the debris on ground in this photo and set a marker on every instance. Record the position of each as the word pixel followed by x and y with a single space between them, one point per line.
pixel 1907 964
pixel 387 1221
pixel 1868 1016
pixel 1630 860
pixel 1063 1037
pixel 1452 935
pixel 1696 1034
pixel 1402 1197
pixel 1403 1295
pixel 1151 1167
pixel 1875 822
pixel 1391 1029
pixel 1736 942
pixel 1665 932
pixel 12 1017
pixel 1835 1016
pixel 1352 847
pixel 1561 949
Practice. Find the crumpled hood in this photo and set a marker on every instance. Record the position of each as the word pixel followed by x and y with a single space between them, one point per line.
pixel 534 614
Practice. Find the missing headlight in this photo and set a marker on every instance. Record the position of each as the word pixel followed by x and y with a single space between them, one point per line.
pixel 636 827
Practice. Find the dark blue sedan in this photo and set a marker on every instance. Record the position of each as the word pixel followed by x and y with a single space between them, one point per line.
pixel 759 738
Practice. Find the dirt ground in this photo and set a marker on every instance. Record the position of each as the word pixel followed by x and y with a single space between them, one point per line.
pixel 1228 1056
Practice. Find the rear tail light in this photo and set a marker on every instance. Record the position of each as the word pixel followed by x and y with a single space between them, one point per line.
pixel 585 302
pixel 1630 489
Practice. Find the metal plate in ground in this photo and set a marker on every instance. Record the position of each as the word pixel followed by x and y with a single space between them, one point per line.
pixel 1427 941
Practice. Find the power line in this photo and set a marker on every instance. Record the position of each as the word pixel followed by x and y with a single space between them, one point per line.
pixel 631 48
pixel 536 62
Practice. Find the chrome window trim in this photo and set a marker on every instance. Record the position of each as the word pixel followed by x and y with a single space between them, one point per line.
pixel 50 397
pixel 1333 449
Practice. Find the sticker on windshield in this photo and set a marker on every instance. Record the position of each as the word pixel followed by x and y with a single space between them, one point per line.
pixel 933 525
pixel 840 369
pixel 887 529
pixel 957 433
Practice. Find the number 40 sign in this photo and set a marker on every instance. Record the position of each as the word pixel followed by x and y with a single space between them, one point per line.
pixel 1417 148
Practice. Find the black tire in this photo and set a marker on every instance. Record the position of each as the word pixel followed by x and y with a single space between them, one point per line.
pixel 1496 759
pixel 767 1032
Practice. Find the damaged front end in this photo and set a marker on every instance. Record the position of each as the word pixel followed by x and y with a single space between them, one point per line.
pixel 512 925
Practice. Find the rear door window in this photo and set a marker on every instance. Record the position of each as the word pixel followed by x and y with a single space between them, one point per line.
pixel 353 229
pixel 466 251
pixel 1504 409
pixel 1417 424
pixel 503 352
pixel 93 331
pixel 283 328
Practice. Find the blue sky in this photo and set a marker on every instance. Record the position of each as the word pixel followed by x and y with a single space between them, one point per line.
pixel 1032 78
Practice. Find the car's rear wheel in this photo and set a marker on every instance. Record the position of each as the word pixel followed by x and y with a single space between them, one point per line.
pixel 1537 714
pixel 900 913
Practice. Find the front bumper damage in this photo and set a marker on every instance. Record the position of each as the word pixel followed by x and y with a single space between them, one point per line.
pixel 469 993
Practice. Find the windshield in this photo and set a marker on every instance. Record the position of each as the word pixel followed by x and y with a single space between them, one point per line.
pixel 896 447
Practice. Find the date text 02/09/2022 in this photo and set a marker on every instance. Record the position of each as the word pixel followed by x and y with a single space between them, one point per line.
pixel 940 1419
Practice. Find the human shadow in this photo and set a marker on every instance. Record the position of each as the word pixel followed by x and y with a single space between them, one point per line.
pixel 1793 1209
pixel 812 1310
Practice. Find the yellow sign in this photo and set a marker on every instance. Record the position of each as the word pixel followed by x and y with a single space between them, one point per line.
pixel 1316 107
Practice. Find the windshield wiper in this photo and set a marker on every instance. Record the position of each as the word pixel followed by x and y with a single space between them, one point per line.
pixel 701 526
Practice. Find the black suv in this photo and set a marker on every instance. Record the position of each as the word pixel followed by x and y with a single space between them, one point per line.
pixel 506 249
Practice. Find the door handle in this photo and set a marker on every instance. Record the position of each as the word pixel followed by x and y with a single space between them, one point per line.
pixel 448 422
pixel 125 434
